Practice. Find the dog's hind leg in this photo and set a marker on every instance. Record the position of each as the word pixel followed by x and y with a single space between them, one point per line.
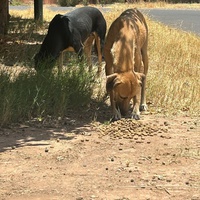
pixel 143 105
pixel 60 62
pixel 98 46
pixel 88 49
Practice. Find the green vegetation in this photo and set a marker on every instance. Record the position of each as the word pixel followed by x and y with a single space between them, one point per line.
pixel 38 95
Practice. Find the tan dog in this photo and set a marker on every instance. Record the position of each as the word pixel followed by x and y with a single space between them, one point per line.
pixel 126 59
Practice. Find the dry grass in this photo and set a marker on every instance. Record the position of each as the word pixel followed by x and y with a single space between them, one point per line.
pixel 174 62
pixel 174 75
pixel 159 4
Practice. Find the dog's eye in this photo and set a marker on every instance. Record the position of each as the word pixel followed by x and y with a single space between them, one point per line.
pixel 122 97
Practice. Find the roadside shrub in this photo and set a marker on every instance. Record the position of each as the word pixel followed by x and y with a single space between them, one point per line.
pixel 16 2
pixel 68 2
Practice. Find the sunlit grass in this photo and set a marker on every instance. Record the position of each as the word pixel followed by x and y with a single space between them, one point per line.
pixel 174 75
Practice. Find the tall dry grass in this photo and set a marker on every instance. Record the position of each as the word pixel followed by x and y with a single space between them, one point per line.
pixel 174 75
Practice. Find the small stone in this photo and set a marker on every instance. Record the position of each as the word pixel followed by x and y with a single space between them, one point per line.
pixel 79 198
pixel 127 163
pixel 195 197
pixel 93 196
pixel 166 123
pixel 187 183
pixel 139 141
pixel 160 177
pixel 46 150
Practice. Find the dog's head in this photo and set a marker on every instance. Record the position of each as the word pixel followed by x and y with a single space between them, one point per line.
pixel 42 62
pixel 124 86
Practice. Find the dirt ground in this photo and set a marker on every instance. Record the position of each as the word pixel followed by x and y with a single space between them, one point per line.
pixel 76 158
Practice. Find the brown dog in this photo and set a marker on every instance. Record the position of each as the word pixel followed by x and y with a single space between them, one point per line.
pixel 126 59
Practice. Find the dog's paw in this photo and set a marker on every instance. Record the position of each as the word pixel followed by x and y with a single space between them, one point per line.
pixel 135 116
pixel 143 107
pixel 114 118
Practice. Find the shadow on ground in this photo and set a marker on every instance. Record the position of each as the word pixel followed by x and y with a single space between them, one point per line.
pixel 18 49
pixel 22 42
pixel 38 133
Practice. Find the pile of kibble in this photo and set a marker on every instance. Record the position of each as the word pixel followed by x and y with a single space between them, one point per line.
pixel 129 129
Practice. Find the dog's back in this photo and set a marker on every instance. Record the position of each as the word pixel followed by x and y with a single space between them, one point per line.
pixel 86 20
pixel 126 60
pixel 125 39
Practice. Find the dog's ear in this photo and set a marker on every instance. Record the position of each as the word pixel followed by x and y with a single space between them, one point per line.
pixel 112 81
pixel 140 77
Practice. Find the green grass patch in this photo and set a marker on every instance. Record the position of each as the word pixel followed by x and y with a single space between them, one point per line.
pixel 30 95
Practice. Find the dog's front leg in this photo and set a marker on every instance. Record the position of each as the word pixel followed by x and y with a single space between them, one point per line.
pixel 143 105
pixel 78 47
pixel 136 107
pixel 116 114
pixel 88 50
pixel 99 52
pixel 115 111
pixel 60 62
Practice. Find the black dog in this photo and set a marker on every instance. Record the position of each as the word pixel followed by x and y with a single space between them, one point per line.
pixel 74 31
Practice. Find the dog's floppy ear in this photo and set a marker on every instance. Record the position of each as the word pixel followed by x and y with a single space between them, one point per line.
pixel 140 77
pixel 112 81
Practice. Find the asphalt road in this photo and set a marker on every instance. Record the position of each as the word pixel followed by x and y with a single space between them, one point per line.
pixel 184 19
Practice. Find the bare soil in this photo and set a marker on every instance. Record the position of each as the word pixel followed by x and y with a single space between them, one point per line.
pixel 76 158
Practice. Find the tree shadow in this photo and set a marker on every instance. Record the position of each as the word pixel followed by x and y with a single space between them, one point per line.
pixel 40 133
pixel 22 42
